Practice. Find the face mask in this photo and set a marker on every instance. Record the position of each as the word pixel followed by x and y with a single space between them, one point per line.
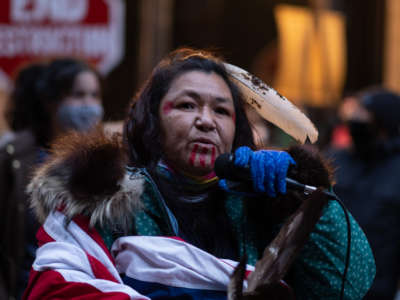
pixel 364 138
pixel 79 117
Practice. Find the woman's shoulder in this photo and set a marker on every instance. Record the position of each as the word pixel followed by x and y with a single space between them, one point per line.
pixel 86 175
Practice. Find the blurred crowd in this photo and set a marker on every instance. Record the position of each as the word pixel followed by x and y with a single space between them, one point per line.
pixel 365 150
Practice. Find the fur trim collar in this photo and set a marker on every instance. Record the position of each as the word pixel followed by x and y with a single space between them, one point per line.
pixel 86 175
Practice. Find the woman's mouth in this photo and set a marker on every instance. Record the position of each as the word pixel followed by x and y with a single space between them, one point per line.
pixel 204 141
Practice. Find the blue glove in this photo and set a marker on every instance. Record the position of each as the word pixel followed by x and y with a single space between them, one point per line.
pixel 268 169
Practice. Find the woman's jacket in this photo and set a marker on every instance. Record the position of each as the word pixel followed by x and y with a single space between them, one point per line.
pixel 107 233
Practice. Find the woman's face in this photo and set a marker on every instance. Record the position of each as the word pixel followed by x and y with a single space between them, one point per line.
pixel 81 109
pixel 197 117
pixel 86 90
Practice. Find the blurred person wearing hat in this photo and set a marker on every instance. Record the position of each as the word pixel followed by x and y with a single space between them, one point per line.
pixel 367 179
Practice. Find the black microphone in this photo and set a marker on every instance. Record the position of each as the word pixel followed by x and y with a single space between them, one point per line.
pixel 225 168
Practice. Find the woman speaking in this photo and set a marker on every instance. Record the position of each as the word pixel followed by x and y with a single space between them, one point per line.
pixel 148 218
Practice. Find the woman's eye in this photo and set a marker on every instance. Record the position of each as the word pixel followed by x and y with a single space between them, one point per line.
pixel 222 111
pixel 77 94
pixel 186 105
pixel 96 95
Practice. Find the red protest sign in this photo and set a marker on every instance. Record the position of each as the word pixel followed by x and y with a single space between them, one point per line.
pixel 35 29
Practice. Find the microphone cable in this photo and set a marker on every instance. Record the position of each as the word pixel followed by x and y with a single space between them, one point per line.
pixel 348 250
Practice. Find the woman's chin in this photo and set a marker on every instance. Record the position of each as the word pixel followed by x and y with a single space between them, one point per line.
pixel 198 171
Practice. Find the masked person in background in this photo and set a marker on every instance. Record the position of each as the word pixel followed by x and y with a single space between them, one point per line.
pixel 151 220
pixel 48 100
pixel 368 180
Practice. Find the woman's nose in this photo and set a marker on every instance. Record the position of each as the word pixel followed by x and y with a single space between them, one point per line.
pixel 205 120
pixel 90 99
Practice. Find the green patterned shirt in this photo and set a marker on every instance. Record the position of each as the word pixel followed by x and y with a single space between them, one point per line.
pixel 317 271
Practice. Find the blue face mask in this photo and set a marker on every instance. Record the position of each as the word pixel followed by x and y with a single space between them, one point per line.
pixel 79 117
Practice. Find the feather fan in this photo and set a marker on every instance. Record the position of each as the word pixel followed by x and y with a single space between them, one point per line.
pixel 273 107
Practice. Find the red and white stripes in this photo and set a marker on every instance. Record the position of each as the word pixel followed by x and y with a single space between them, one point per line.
pixel 74 262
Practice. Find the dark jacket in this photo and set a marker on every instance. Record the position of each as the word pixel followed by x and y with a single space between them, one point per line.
pixel 371 191
pixel 17 158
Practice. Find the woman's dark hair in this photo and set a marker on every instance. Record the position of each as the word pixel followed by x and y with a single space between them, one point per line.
pixel 142 126
pixel 37 87
pixel 23 107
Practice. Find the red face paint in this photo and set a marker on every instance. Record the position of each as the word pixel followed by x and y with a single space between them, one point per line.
pixel 212 156
pixel 203 156
pixel 193 155
pixel 167 107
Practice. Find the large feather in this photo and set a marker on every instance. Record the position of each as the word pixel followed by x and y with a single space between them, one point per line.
pixel 272 106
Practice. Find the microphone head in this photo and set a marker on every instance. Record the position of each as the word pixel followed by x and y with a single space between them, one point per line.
pixel 223 165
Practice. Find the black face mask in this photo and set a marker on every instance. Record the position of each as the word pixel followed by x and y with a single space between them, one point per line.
pixel 364 137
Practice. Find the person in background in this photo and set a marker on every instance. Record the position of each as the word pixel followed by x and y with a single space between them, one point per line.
pixel 48 100
pixel 367 179
pixel 149 219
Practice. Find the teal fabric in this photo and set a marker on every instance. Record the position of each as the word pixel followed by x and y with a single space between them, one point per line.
pixel 246 240
pixel 320 265
pixel 318 269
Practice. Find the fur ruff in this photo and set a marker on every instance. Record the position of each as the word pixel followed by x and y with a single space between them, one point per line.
pixel 86 175
pixel 312 169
